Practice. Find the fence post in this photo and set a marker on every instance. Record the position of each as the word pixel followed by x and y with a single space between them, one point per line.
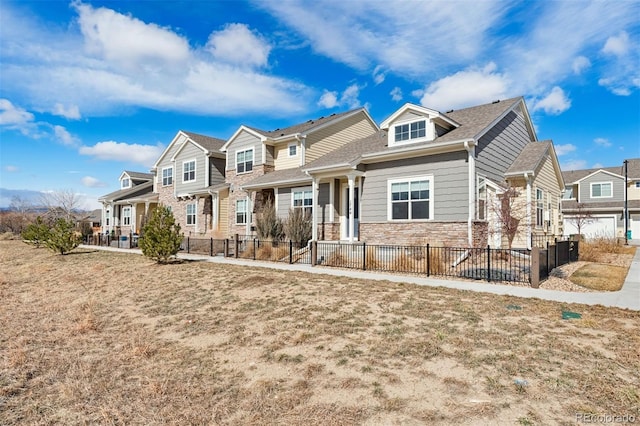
pixel 225 247
pixel 290 251
pixel 555 264
pixel 428 262
pixel 188 244
pixel 364 256
pixel 314 253
pixel 534 271
pixel 254 249
pixel 237 245
pixel 130 240
pixel 489 262
pixel 211 247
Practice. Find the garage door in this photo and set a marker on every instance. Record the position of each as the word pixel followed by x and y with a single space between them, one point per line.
pixel 634 226
pixel 599 227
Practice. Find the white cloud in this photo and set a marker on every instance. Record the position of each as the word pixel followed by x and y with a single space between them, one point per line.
pixel 91 182
pixel 11 169
pixel 126 62
pixel 348 98
pixel 466 88
pixel 379 75
pixel 555 103
pixel 573 164
pixel 237 44
pixel 602 142
pixel 580 64
pixel 71 113
pixel 64 137
pixel 328 99
pixel 144 155
pixel 617 45
pixel 564 149
pixel 396 94
pixel 13 116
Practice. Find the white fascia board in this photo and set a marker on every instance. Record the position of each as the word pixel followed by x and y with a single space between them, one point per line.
pixel 427 112
pixel 241 129
pixel 164 153
pixel 600 171
pixel 327 168
pixel 280 183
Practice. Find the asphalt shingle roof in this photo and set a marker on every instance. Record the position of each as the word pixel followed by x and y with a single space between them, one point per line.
pixel 285 175
pixel 207 142
pixel 136 191
pixel 529 158
pixel 302 127
pixel 139 175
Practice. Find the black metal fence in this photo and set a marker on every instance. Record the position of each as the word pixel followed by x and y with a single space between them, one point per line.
pixel 489 264
pixel 107 240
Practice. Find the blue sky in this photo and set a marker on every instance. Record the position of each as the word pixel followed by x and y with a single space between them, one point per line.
pixel 89 89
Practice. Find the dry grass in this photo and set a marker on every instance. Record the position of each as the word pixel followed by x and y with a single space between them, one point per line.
pixel 599 276
pixel 109 338
pixel 597 249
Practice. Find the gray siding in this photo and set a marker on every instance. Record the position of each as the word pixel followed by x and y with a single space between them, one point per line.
pixel 244 141
pixel 500 146
pixel 188 153
pixel 216 171
pixel 450 194
pixel 284 201
pixel 600 177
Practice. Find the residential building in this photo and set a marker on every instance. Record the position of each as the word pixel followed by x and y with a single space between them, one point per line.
pixel 596 197
pixel 124 210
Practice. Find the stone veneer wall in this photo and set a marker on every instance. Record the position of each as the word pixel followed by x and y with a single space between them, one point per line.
pixel 179 209
pixel 329 231
pixel 452 234
pixel 237 181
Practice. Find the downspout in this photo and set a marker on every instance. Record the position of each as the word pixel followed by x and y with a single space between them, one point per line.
pixel 527 177
pixel 470 147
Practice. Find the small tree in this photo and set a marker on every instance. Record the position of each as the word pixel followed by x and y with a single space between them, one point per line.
pixel 268 225
pixel 581 218
pixel 63 237
pixel 298 226
pixel 510 211
pixel 161 237
pixel 36 233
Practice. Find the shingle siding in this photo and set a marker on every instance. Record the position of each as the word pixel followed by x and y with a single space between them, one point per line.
pixel 500 146
pixel 449 194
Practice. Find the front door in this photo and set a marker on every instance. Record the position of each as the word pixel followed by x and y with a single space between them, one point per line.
pixel 345 212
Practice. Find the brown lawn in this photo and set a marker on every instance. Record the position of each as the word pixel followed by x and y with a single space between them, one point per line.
pixel 109 338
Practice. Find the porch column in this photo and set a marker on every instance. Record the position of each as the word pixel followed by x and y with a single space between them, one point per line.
pixel 197 211
pixel 314 208
pixel 351 179
pixel 247 230
pixel 133 217
pixel 215 208
pixel 528 233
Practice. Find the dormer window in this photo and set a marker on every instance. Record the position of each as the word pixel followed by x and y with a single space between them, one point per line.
pixel 410 131
pixel 125 183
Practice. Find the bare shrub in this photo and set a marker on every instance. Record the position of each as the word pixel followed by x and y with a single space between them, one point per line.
pixel 298 226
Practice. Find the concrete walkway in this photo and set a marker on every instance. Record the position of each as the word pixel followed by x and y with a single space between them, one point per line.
pixel 627 298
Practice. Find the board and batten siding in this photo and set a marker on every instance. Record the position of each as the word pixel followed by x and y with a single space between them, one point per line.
pixel 449 192
pixel 332 137
pixel 617 188
pixel 285 203
pixel 242 142
pixel 216 171
pixel 188 153
pixel 281 159
pixel 500 146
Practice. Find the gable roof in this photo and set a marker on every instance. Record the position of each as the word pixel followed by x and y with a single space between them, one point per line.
pixel 418 109
pixel 137 175
pixel 532 157
pixel 299 129
pixel 143 190
pixel 473 123
pixel 207 144
pixel 284 177
pixel 633 171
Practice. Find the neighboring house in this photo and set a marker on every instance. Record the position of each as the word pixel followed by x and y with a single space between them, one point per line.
pixel 265 165
pixel 124 210
pixel 93 220
pixel 599 195
pixel 190 179
pixel 423 177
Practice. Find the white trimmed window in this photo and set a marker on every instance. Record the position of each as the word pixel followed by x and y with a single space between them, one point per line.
pixel 292 149
pixel 191 214
pixel 167 176
pixel 244 161
pixel 409 131
pixel 539 208
pixel 302 199
pixel 241 212
pixel 601 190
pixel 411 199
pixel 126 216
pixel 189 171
pixel 638 184
pixel 482 198
pixel 126 183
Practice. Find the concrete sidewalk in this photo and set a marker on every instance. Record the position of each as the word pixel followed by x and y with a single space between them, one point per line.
pixel 627 298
